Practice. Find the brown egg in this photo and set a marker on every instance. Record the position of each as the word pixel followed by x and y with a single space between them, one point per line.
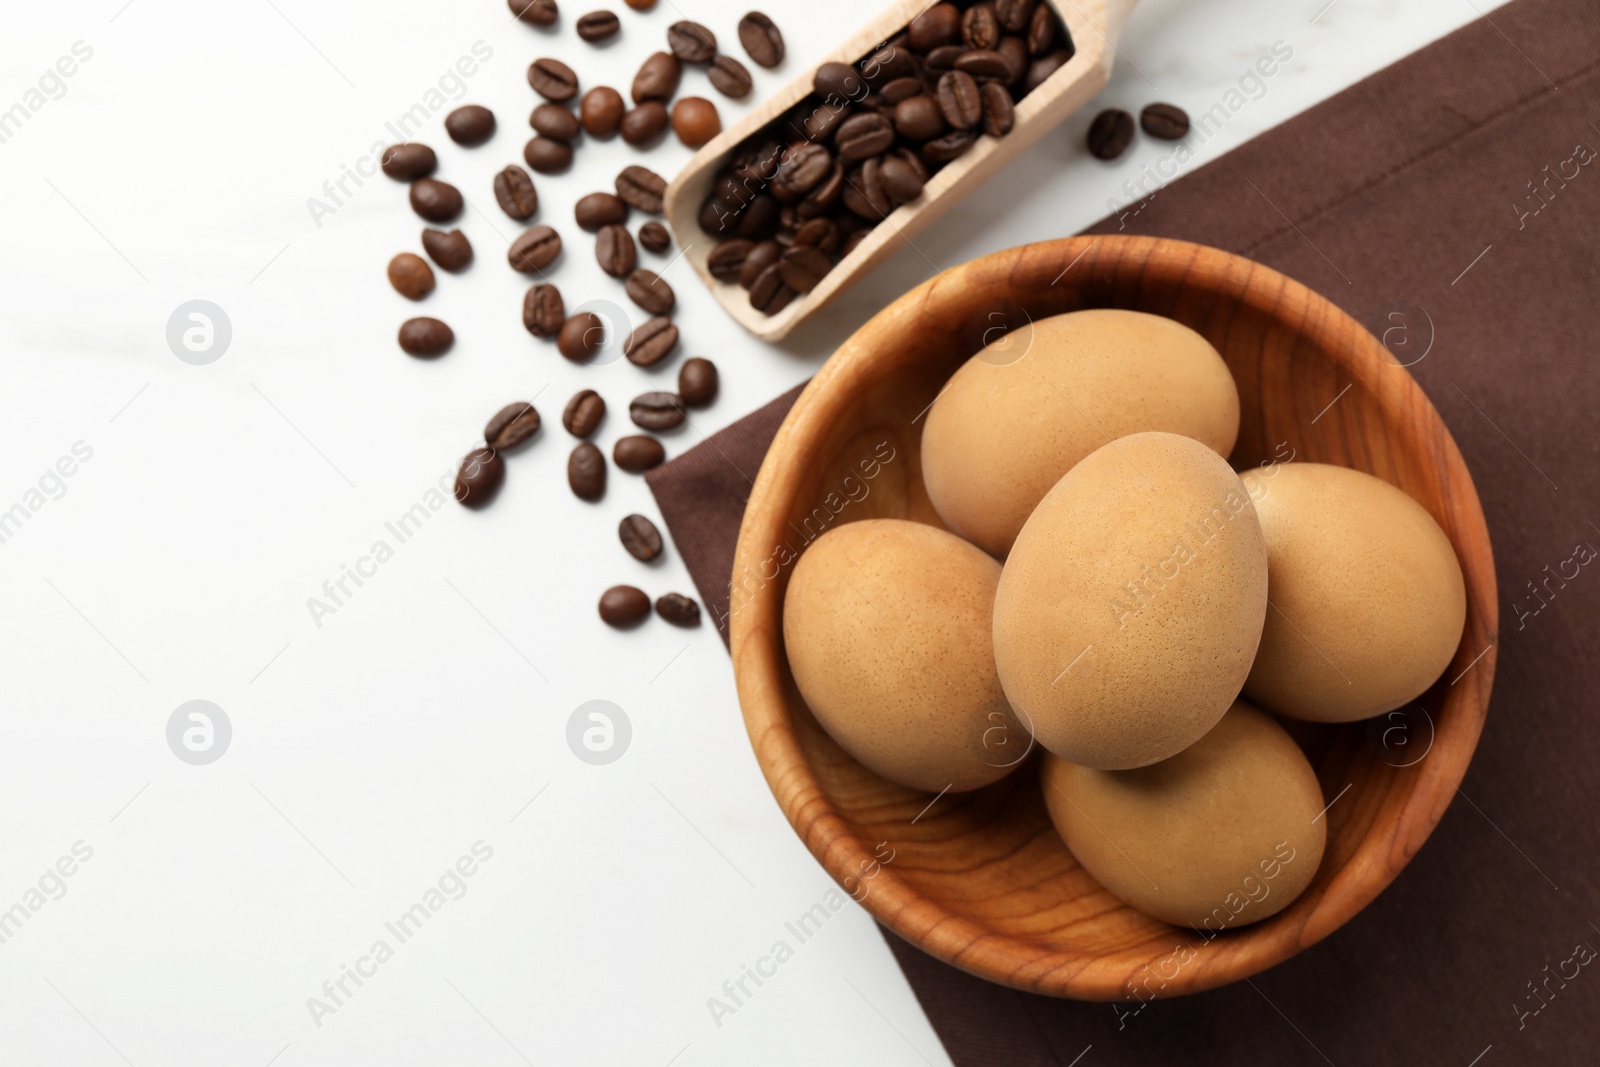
pixel 1024 410
pixel 1227 832
pixel 887 623
pixel 1368 601
pixel 1131 605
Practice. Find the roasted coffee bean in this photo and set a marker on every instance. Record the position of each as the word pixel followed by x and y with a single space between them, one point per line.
pixel 818 124
pixel 581 336
pixel 714 218
pixel 938 25
pixel 535 12
pixel 1110 134
pixel 656 411
pixel 641 187
pixel 408 162
pixel 657 78
pixel 586 472
pixel 697 382
pixel 514 191
pixel 1041 30
pixel 863 189
pixel 1013 15
pixel 1015 51
pixel 598 26
pixel 479 477
pixel 644 123
pixel 887 64
pixel 650 291
pixel 762 40
pixel 695 120
pixel 435 200
pixel 837 80
pixel 900 180
pixel 655 237
pixel 984 63
pixel 999 115
pixel 959 102
pixel 470 125
pixel 543 311
pixel 944 149
pixel 640 537
pixel 806 164
pixel 759 259
pixel 900 89
pixel 941 59
pixel 641 5
pixel 802 268
pixel 601 111
pixel 910 157
pixel 599 209
pixel 547 155
pixel 729 77
pixel 1166 121
pixel 819 233
pixel 638 453
pixel 553 80
pixel 613 248
pixel 1041 69
pixel 583 413
pixel 691 42
pixel 823 198
pixel 511 425
pixel 623 606
pixel 678 609
pixel 919 118
pixel 411 276
pixel 727 257
pixel 651 341
pixel 556 120
pixel 852 241
pixel 864 135
pixel 427 338
pixel 768 293
pixel 534 249
pixel 452 251
pixel 759 218
pixel 979 27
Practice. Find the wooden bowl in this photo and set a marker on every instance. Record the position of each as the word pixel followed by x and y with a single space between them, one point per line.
pixel 981 880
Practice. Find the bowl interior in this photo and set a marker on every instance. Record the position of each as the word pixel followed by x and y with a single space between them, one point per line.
pixel 981 880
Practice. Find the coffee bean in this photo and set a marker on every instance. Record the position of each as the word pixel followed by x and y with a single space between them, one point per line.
pixel 1041 69
pixel 691 42
pixel 944 149
pixel 1015 51
pixel 581 336
pixel 958 98
pixel 729 77
pixel 999 115
pixel 555 120
pixel 900 180
pixel 641 5
pixel 762 40
pixel 553 80
pixel 863 193
pixel 586 472
pixel 614 250
pixel 434 200
pixel 601 111
pixel 1110 134
pixel 656 411
pixel 644 123
pixel 695 120
pixel 426 338
pixel 657 78
pixel 514 191
pixel 452 251
pixel 583 413
pixel 818 124
pixel 479 477
pixel 768 293
pixel 642 188
pixel 408 162
pixel 511 425
pixel 678 609
pixel 655 237
pixel 547 155
pixel 887 64
pixel 819 233
pixel 1166 121
pixel 470 125
pixel 534 249
pixel 837 80
pixel 919 118
pixel 727 257
pixel 862 136
pixel 942 59
pixel 411 276
pixel 640 537
pixel 979 27
pixel 623 606
pixel 651 341
pixel 543 311
pixel 1041 30
pixel 1013 15
pixel 802 268
pixel 759 259
pixel 598 26
pixel 650 291
pixel 697 382
pixel 938 25
pixel 806 164
pixel 638 453
pixel 984 63
pixel 535 12
pixel 599 209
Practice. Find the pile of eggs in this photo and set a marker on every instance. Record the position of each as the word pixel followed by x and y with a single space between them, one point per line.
pixel 1109 590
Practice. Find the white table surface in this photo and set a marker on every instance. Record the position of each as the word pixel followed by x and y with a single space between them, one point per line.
pixel 371 751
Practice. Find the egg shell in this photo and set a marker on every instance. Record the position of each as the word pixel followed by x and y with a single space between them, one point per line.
pixel 1131 605
pixel 1023 411
pixel 1368 601
pixel 1225 833
pixel 886 624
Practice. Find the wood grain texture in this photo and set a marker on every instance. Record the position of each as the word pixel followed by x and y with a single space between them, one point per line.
pixel 1094 25
pixel 981 880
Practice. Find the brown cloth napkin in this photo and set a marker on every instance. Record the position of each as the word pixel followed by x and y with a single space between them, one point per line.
pixel 1451 204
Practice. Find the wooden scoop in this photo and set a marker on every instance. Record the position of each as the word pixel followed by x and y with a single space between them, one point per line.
pixel 1095 26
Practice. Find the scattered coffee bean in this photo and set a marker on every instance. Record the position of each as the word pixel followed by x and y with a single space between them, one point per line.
pixel 1110 134
pixel 452 251
pixel 599 209
pixel 547 155
pixel 623 606
pixel 555 120
pixel 614 250
pixel 727 257
pixel 650 291
pixel 583 413
pixel 729 77
pixel 655 237
pixel 408 162
pixel 958 98
pixel 644 123
pixel 657 78
pixel 999 115
pixel 514 191
pixel 1166 121
pixel 511 425
pixel 650 342
pixel 638 453
pixel 1041 31
pixel 979 27
pixel 411 276
pixel 601 111
pixel 656 411
pixel 581 336
pixel 553 80
pixel 425 338
pixel 697 382
pixel 641 5
pixel 534 249
pixel 535 12
pixel 642 188
pixel 470 125
pixel 695 120
pixel 678 609
pixel 598 26
pixel 762 41
pixel 801 268
pixel 640 537
pixel 759 259
pixel 691 42
pixel 586 472
pixel 1046 65
pixel 543 311
pixel 479 477
pixel 434 200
